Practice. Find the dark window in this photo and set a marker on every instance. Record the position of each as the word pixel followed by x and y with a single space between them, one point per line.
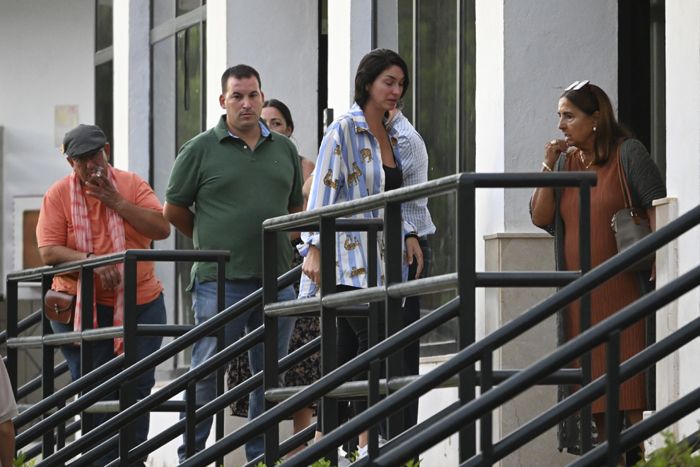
pixel 104 102
pixel 104 81
pixel 641 71
pixel 103 17
pixel 434 39
pixel 178 110
pixel 189 83
pixel 185 6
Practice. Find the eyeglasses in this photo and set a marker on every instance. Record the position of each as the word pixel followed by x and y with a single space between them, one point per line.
pixel 576 85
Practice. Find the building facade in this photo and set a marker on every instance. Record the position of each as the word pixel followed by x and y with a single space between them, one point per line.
pixel 486 76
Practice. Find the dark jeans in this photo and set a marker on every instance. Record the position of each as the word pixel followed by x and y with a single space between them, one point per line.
pixel 103 351
pixel 204 305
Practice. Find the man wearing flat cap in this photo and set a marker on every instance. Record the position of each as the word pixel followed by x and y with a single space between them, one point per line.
pixel 98 210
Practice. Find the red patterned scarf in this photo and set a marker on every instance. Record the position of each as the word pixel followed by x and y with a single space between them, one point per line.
pixel 83 242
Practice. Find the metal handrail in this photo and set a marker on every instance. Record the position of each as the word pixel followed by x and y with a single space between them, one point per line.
pixel 492 399
pixel 436 284
pixel 588 394
pixel 294 221
pixel 397 448
pixel 22 326
pixel 642 430
pixel 44 274
pixel 162 354
pixel 431 188
pixel 498 338
pixel 322 386
pixel 361 387
pixel 232 395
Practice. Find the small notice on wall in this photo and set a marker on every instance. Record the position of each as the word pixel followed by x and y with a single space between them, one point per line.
pixel 65 118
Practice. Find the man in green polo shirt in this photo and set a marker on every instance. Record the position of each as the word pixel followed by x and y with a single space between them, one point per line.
pixel 237 174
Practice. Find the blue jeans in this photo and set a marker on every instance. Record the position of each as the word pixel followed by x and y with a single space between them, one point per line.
pixel 103 351
pixel 204 307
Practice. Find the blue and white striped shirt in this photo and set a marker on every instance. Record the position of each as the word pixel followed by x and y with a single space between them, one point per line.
pixel 414 164
pixel 349 167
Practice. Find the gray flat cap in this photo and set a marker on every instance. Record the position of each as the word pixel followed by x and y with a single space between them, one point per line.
pixel 83 140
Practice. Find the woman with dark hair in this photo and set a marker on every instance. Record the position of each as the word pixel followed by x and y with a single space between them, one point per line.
pixel 594 141
pixel 358 158
pixel 278 118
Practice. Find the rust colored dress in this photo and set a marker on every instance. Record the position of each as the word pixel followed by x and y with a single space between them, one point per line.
pixel 617 292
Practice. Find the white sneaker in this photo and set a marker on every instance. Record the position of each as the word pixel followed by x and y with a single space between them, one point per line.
pixel 343 461
pixel 362 451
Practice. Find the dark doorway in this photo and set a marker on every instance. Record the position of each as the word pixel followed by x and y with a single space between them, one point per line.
pixel 641 65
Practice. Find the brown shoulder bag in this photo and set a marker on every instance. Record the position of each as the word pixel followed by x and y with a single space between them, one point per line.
pixel 59 306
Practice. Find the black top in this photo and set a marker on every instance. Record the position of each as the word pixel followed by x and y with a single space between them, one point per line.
pixel 393 178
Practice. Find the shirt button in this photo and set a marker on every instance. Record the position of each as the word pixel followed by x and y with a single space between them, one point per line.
pixel 245 147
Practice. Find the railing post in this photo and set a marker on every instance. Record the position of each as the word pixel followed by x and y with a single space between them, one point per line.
pixel 190 421
pixel 375 366
pixel 12 319
pixel 585 309
pixel 466 203
pixel 270 369
pixel 127 392
pixel 393 246
pixel 87 421
pixel 220 344
pixel 329 358
pixel 47 370
pixel 612 403
pixel 486 425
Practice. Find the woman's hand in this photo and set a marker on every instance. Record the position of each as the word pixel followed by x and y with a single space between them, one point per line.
pixel 552 149
pixel 312 265
pixel 413 250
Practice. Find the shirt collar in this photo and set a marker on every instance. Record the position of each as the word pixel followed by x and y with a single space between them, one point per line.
pixel 222 131
pixel 394 119
pixel 358 118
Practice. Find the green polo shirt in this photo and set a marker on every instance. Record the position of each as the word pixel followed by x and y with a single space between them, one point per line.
pixel 234 188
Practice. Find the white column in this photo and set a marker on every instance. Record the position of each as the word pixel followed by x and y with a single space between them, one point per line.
pixel 218 38
pixel 527 52
pixel 131 86
pixel 548 44
pixel 349 39
pixel 278 39
pixel 683 165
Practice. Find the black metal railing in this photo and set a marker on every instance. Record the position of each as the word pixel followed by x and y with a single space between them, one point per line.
pixel 53 435
pixel 423 436
pixel 461 417
pixel 104 380
pixel 465 280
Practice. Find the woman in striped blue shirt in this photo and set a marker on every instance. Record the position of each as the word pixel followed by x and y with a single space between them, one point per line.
pixel 358 158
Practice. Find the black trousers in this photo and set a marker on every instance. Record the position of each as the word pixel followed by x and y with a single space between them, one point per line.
pixel 353 339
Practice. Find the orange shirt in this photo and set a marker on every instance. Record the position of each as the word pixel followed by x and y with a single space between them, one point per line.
pixel 55 227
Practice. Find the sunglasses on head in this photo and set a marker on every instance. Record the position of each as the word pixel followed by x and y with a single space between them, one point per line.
pixel 576 85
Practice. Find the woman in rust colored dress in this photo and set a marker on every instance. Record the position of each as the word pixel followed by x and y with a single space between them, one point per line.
pixel 594 141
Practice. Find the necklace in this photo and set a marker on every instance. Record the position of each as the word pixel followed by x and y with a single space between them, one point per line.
pixel 586 165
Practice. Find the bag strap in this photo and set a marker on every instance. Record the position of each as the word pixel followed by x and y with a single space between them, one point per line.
pixel 623 180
